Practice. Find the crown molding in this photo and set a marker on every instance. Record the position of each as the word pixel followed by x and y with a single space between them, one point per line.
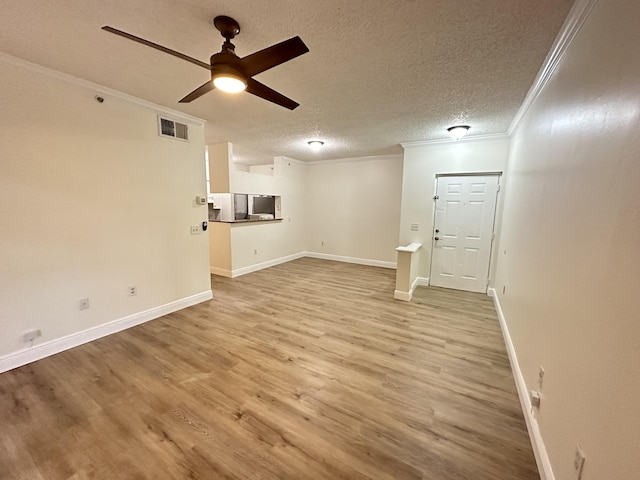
pixel 467 139
pixel 100 89
pixel 371 158
pixel 297 161
pixel 572 25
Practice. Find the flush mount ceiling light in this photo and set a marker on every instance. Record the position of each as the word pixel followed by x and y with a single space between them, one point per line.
pixel 315 144
pixel 458 131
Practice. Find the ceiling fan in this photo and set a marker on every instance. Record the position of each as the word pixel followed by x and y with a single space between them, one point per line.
pixel 231 73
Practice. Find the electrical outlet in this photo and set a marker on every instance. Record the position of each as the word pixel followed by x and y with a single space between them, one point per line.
pixel 83 303
pixel 578 461
pixel 196 229
pixel 415 227
pixel 31 335
pixel 540 376
pixel 133 291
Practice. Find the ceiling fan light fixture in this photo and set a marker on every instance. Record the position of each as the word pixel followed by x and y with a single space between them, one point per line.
pixel 229 72
pixel 315 144
pixel 458 131
pixel 229 83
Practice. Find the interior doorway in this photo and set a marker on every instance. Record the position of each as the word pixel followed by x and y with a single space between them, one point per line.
pixel 465 209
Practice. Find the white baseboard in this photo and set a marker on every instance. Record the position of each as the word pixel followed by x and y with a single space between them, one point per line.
pixel 359 261
pixel 277 261
pixel 414 284
pixel 537 442
pixel 407 296
pixel 221 271
pixel 270 263
pixel 37 352
pixel 400 295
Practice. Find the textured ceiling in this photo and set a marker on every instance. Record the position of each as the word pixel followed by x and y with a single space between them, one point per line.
pixel 379 72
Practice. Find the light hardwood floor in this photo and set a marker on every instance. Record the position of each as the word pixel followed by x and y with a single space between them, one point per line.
pixel 306 370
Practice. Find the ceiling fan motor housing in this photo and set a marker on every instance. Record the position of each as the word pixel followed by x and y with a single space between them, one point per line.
pixel 227 64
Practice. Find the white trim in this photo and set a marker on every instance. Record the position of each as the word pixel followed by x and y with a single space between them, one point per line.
pixel 471 174
pixel 269 263
pixel 404 296
pixel 359 261
pixel 371 158
pixel 277 261
pixel 535 436
pixel 99 89
pixel 411 248
pixel 220 271
pixel 37 352
pixel 572 25
pixel 414 284
pixel 407 296
pixel 468 139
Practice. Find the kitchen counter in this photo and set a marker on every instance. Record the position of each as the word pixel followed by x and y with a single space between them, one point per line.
pixel 256 220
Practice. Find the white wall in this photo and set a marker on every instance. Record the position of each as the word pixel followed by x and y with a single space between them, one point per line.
pixel 243 247
pixel 271 240
pixel 569 256
pixel 219 156
pixel 353 206
pixel 220 248
pixel 92 201
pixel 421 165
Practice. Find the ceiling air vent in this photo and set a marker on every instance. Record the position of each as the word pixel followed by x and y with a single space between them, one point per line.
pixel 169 128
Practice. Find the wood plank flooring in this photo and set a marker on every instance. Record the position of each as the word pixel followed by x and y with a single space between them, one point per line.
pixel 306 370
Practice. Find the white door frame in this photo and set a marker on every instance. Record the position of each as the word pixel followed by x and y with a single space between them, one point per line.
pixel 495 214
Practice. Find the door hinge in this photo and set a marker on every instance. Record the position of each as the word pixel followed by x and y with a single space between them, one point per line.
pixel 487 282
pixel 498 188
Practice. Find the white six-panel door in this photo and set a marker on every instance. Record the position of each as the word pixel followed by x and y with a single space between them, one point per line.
pixel 463 231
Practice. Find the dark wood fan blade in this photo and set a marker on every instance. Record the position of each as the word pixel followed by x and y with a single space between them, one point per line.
pixel 274 55
pixel 157 47
pixel 260 90
pixel 198 92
